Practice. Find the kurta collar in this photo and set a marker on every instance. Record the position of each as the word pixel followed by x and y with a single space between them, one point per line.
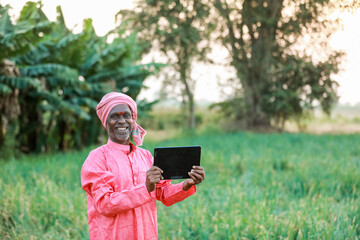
pixel 117 146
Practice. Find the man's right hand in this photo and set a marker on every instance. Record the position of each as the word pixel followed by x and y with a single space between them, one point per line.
pixel 153 177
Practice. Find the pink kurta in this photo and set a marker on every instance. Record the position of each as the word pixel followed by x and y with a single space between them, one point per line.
pixel 119 205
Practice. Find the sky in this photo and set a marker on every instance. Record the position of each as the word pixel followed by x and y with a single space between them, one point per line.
pixel 207 88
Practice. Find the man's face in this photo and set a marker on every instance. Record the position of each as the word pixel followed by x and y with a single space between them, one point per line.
pixel 119 124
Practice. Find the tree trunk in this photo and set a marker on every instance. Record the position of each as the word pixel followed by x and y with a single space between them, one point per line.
pixel 250 44
pixel 255 117
pixel 34 124
pixel 62 132
pixel 259 71
pixel 184 69
pixel 9 105
pixel 192 122
pixel 189 99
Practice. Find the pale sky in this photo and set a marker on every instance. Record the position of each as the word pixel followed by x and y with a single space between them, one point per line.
pixel 103 15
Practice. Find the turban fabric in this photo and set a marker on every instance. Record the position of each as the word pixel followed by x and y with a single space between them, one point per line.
pixel 109 101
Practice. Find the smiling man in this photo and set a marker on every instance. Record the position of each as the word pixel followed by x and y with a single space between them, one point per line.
pixel 120 181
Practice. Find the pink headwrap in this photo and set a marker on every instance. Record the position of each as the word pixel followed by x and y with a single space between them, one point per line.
pixel 109 101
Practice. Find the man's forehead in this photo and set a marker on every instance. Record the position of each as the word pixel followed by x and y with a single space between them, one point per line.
pixel 120 108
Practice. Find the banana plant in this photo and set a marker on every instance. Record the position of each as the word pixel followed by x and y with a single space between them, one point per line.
pixel 67 74
pixel 15 39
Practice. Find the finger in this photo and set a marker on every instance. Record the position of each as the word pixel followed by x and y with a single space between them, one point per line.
pixel 158 177
pixel 154 172
pixel 192 177
pixel 191 181
pixel 197 176
pixel 155 180
pixel 158 171
pixel 200 172
pixel 198 167
pixel 155 168
pixel 153 176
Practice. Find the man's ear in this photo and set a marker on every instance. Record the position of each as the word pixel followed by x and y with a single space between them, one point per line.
pixel 107 125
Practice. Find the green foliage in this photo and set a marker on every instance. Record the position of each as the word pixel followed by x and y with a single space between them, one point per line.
pixel 51 210
pixel 4 89
pixel 299 84
pixel 233 108
pixel 172 119
pixel 63 76
pixel 281 76
pixel 20 38
pixel 269 186
pixel 178 29
pixel 20 83
pixel 55 74
pixel 288 186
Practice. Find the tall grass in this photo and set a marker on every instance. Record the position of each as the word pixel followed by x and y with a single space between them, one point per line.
pixel 41 198
pixel 273 186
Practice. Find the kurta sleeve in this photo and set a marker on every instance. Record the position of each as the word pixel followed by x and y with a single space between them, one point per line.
pixel 100 185
pixel 170 194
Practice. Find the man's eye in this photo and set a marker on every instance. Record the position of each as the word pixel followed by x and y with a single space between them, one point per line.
pixel 127 115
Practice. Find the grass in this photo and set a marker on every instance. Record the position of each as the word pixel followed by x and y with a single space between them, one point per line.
pixel 258 186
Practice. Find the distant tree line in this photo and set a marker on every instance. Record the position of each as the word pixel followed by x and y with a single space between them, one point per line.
pixel 279 75
pixel 51 79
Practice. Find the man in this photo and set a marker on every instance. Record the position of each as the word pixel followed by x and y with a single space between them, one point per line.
pixel 120 181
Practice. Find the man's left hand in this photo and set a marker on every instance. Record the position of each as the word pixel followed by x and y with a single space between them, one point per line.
pixel 197 175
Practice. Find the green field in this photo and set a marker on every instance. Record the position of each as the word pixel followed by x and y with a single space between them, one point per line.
pixel 258 186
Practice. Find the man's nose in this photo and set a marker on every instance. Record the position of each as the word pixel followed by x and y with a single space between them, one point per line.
pixel 121 119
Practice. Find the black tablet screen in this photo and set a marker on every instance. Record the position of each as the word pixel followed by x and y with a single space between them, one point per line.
pixel 176 162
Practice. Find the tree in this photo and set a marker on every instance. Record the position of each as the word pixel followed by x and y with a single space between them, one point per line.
pixel 61 77
pixel 179 30
pixel 280 78
pixel 14 40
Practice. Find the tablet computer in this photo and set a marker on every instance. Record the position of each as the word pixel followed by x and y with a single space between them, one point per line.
pixel 176 162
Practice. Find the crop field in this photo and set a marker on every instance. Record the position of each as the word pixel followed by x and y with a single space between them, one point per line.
pixel 258 186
